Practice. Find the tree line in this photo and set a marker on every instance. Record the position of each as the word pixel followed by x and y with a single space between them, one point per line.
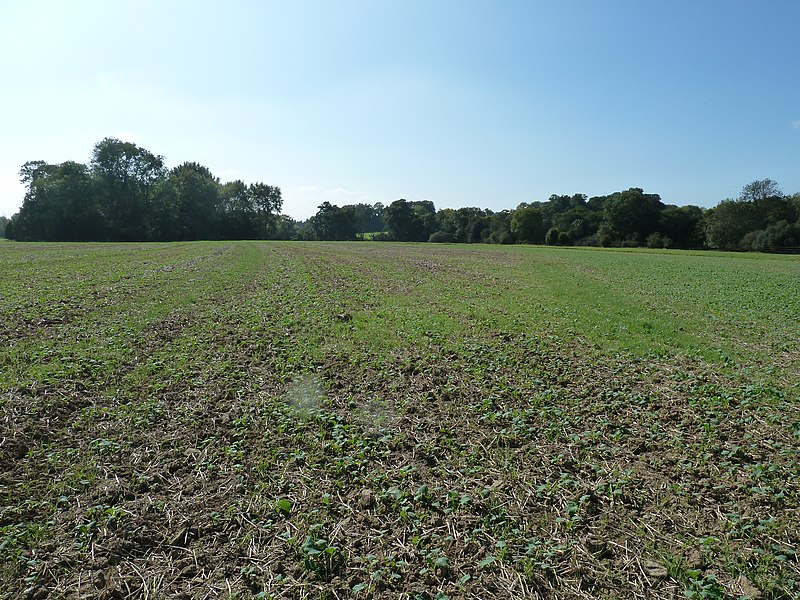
pixel 761 218
pixel 126 193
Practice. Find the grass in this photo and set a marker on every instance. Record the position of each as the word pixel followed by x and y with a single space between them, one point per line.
pixel 322 420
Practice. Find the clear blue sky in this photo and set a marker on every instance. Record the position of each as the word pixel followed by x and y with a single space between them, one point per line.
pixel 465 103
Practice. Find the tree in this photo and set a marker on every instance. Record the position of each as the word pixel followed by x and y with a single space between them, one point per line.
pixel 560 211
pixel 401 221
pixel 761 218
pixel 527 224
pixel 59 204
pixel 794 201
pixel 360 214
pixel 499 228
pixel 552 236
pixel 249 211
pixel 268 202
pixel 26 224
pixel 238 217
pixel 3 224
pixel 286 228
pixel 376 222
pixel 770 201
pixel 464 225
pixel 759 190
pixel 656 240
pixel 126 176
pixel 727 223
pixel 189 198
pixel 682 225
pixel 426 212
pixel 33 169
pixel 9 228
pixel 776 235
pixel 631 215
pixel 478 229
pixel 333 223
pixel 597 203
pixel 410 221
pixel 126 194
pixel 774 209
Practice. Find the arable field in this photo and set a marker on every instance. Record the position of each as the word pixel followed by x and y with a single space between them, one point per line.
pixel 374 420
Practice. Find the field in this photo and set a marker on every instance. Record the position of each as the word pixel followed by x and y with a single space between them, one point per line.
pixel 376 420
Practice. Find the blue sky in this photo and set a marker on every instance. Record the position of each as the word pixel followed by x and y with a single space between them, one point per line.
pixel 465 103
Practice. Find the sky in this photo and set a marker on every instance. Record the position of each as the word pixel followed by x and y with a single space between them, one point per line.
pixel 462 102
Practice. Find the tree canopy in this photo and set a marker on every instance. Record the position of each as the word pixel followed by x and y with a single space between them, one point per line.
pixel 126 193
pixel 762 218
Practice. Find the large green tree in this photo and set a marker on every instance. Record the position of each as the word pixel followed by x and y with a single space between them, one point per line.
pixel 126 177
pixel 333 223
pixel 59 205
pixel 267 201
pixel 527 224
pixel 681 226
pixel 632 215
pixel 238 217
pixel 368 218
pixel 410 221
pixel 188 201
pixel 498 230
pixel 464 225
pixel 249 211
pixel 759 190
pixel 727 223
pixel 763 217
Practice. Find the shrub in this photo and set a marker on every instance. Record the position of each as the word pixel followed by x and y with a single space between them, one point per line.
pixel 441 237
pixel 551 238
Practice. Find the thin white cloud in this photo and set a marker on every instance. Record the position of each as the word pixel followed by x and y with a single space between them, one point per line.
pixel 795 124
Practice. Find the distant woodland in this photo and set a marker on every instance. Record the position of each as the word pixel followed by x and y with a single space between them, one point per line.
pixel 125 193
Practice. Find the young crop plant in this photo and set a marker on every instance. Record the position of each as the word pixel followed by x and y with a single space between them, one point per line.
pixel 368 420
pixel 321 557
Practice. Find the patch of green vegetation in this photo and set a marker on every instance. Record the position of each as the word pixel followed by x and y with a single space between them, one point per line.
pixel 334 419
